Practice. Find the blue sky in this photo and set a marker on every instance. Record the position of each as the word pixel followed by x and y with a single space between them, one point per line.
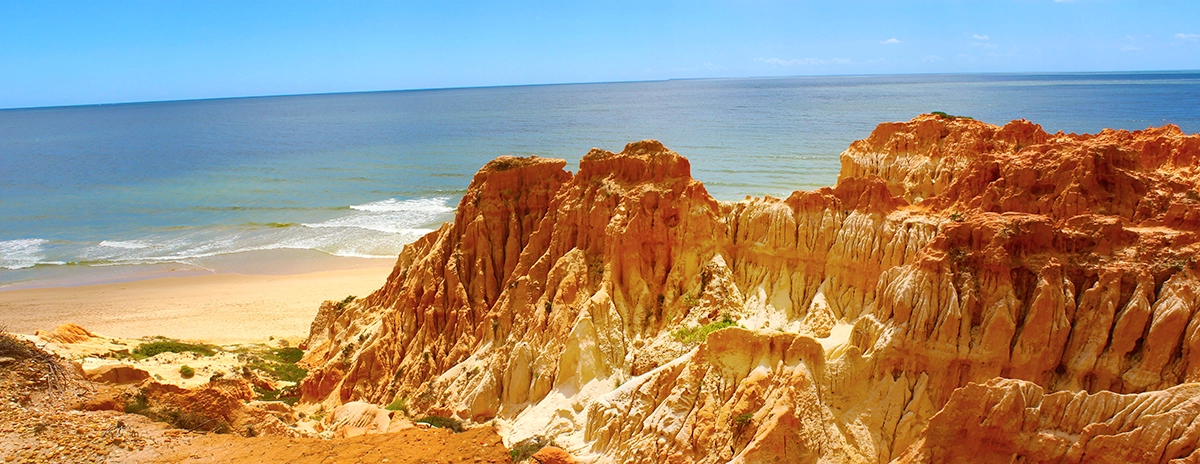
pixel 62 53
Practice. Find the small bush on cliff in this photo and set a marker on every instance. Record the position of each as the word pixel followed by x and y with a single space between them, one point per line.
pixel 945 115
pixel 400 404
pixel 442 422
pixel 138 404
pixel 697 334
pixel 525 449
pixel 345 302
pixel 186 371
pixel 150 349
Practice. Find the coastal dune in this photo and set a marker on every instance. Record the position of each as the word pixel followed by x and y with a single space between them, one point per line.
pixel 965 287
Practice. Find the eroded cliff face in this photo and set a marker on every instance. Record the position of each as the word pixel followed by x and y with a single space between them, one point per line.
pixel 956 266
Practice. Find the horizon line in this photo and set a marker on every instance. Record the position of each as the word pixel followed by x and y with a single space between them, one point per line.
pixel 550 84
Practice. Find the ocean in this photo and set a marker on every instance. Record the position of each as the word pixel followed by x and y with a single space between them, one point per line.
pixel 92 194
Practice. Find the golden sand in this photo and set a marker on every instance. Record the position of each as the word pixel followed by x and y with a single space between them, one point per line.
pixel 218 308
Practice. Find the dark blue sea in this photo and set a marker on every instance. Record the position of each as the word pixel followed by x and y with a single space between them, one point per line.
pixel 91 193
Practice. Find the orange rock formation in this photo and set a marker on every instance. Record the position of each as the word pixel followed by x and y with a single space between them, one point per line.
pixel 919 311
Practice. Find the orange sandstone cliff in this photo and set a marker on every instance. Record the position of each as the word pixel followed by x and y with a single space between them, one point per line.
pixel 966 292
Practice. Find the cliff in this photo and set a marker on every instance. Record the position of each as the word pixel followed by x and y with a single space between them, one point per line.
pixel 964 288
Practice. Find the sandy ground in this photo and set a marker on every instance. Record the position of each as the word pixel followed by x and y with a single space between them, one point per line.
pixel 415 446
pixel 217 308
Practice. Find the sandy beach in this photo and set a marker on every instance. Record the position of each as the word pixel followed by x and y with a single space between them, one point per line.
pixel 219 308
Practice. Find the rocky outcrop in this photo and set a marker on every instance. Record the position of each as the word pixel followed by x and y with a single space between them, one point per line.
pixel 219 405
pixel 66 334
pixel 117 374
pixel 1014 420
pixel 627 314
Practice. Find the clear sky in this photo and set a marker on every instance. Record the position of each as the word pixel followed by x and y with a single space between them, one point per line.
pixel 62 53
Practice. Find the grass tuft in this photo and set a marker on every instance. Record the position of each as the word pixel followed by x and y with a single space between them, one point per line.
pixel 525 449
pixel 151 349
pixel 341 305
pixel 689 335
pixel 945 115
pixel 399 404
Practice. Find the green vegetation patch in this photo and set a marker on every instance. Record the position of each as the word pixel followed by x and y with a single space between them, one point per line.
pixel 150 349
pixel 526 448
pixel 399 404
pixel 442 422
pixel 945 115
pixel 689 335
pixel 341 305
pixel 139 404
pixel 285 395
pixel 186 371
pixel 288 355
pixel 288 372
pixel 278 363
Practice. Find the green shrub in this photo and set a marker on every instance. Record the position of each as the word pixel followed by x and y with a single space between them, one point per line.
pixel 691 335
pixel 399 404
pixel 150 349
pixel 345 302
pixel 139 404
pixel 442 422
pixel 279 363
pixel 281 371
pixel 288 396
pixel 526 448
pixel 289 355
pixel 945 115
pixel 742 419
pixel 186 371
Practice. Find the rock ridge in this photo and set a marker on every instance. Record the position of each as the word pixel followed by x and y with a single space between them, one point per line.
pixel 964 287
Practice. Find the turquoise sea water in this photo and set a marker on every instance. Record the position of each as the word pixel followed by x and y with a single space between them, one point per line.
pixel 113 188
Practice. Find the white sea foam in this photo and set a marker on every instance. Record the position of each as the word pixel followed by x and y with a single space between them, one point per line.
pixel 373 230
pixel 392 223
pixel 427 205
pixel 127 245
pixel 22 253
pixel 393 216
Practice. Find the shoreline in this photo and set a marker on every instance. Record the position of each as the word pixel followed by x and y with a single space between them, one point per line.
pixel 247 298
pixel 282 261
